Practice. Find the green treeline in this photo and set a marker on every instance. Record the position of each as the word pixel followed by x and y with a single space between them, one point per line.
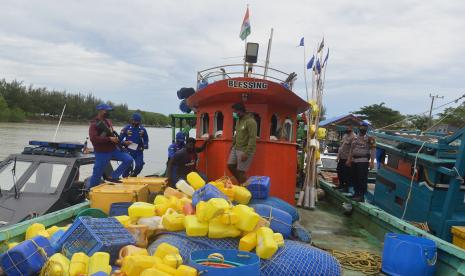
pixel 19 102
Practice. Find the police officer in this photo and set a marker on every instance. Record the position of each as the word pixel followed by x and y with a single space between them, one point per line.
pixel 343 172
pixel 106 143
pixel 361 157
pixel 134 136
pixel 178 144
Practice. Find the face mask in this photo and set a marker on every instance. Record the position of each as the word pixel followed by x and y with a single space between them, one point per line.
pixel 235 115
pixel 363 131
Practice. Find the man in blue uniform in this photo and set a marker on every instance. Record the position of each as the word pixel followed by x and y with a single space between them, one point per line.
pixel 177 145
pixel 106 147
pixel 134 136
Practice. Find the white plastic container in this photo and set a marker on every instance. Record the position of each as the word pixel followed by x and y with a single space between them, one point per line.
pixel 185 187
pixel 153 223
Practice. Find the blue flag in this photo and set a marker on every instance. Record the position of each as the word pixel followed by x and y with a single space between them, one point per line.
pixel 310 63
pixel 301 42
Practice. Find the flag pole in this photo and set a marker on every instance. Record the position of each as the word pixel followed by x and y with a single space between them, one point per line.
pixel 245 53
pixel 267 62
pixel 245 48
pixel 305 73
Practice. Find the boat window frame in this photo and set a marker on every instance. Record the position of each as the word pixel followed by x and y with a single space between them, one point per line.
pixel 259 123
pixel 274 133
pixel 26 173
pixel 288 121
pixel 204 116
pixel 215 125
pixel 64 173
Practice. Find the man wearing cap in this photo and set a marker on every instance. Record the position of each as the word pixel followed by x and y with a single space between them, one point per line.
pixel 185 161
pixel 134 136
pixel 344 173
pixel 106 143
pixel 243 144
pixel 361 157
pixel 177 145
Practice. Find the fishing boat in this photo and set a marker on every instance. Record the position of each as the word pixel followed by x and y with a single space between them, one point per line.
pixel 268 94
pixel 418 190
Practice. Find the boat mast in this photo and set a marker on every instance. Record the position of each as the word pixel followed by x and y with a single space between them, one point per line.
pixel 267 62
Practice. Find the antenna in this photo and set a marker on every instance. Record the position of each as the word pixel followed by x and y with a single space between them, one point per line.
pixel 431 107
pixel 59 122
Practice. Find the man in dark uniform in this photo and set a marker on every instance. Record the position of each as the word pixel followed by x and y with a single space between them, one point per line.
pixel 343 172
pixel 105 143
pixel 134 136
pixel 361 158
pixel 185 161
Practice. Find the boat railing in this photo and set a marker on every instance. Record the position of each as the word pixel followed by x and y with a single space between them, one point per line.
pixel 229 71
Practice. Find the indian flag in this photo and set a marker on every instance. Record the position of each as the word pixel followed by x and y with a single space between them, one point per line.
pixel 245 29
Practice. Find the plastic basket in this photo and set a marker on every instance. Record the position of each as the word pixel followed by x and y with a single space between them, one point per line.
pixel 259 186
pixel 119 208
pixel 408 255
pixel 248 263
pixel 90 235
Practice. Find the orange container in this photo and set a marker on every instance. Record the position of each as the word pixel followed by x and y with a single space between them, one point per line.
pixel 104 195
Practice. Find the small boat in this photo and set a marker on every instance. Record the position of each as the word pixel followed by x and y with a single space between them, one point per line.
pixel 44 178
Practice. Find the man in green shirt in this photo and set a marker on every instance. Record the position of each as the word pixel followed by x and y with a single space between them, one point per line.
pixel 243 144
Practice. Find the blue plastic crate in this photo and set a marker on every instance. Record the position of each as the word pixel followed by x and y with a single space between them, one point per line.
pixel 119 208
pixel 259 186
pixel 90 235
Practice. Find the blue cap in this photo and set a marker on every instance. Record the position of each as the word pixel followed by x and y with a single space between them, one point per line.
pixel 363 123
pixel 137 117
pixel 104 106
pixel 180 136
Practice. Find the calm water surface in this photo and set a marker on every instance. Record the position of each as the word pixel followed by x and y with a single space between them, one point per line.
pixel 15 136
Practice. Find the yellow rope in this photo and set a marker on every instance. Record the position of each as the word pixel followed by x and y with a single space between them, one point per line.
pixel 357 260
pixel 362 261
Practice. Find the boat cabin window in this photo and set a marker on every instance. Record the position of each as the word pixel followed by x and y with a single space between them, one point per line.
pixel 6 175
pixel 258 120
pixel 218 126
pixel 204 124
pixel 45 178
pixel 287 130
pixel 274 128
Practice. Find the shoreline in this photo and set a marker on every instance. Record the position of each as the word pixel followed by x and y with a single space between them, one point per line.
pixel 53 122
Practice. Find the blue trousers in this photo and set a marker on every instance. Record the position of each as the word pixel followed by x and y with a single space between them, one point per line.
pixel 138 156
pixel 101 161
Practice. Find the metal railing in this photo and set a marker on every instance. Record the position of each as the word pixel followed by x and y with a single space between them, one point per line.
pixel 229 71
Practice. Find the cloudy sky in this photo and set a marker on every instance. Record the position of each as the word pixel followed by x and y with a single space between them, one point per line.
pixel 141 52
